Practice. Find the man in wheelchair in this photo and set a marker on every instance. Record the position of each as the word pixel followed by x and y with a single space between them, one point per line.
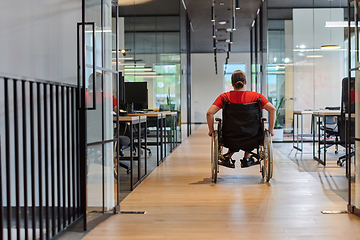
pixel 240 110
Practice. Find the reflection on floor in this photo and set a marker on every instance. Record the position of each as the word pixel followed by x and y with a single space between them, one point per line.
pixel 331 176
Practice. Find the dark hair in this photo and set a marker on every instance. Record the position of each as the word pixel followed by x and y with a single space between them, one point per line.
pixel 238 79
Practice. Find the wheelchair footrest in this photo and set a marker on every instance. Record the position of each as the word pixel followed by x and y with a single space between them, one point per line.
pixel 247 162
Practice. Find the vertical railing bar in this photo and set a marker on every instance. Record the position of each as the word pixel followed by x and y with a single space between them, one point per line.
pixel 102 138
pixel 39 129
pixel 17 168
pixel 73 113
pixel 58 172
pixel 1 201
pixel 32 139
pixel 64 153
pixel 68 115
pixel 78 212
pixel 7 139
pixel 46 159
pixel 24 131
pixel 52 139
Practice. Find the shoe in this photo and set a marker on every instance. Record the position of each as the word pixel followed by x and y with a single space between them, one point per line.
pixel 227 162
pixel 247 162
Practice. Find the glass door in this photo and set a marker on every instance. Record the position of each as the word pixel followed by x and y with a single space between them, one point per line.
pixel 98 79
pixel 353 114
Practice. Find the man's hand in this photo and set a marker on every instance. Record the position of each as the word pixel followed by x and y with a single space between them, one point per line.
pixel 271 132
pixel 210 133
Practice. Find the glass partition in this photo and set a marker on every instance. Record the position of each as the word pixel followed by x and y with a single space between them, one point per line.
pixel 150 52
pixel 306 61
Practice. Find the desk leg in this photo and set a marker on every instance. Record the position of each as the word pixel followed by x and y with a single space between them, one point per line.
pixel 319 138
pixel 293 125
pixel 146 147
pixel 161 139
pixel 139 152
pixel 324 141
pixel 172 133
pixel 313 132
pixel 157 143
pixel 302 133
pixel 165 135
pixel 131 155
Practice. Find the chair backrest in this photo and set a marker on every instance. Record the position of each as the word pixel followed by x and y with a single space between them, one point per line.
pixel 242 127
pixel 344 106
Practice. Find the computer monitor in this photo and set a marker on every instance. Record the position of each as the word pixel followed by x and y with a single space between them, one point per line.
pixel 136 96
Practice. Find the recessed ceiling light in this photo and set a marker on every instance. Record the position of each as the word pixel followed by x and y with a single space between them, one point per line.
pixel 222 22
pixel 221 4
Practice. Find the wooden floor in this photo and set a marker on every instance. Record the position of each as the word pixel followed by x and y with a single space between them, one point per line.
pixel 181 202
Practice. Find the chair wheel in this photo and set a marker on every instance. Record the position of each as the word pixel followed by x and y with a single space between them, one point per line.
pixel 339 163
pixel 336 152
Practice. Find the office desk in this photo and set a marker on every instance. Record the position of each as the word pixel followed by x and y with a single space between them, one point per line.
pixel 173 131
pixel 160 143
pixel 301 114
pixel 318 115
pixel 135 179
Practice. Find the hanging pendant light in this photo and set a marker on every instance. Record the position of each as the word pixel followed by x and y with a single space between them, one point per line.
pixel 237 7
pixel 213 11
pixel 330 46
pixel 231 37
pixel 233 17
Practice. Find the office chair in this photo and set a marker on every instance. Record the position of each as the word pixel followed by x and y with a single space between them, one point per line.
pixel 331 129
pixel 343 124
pixel 124 143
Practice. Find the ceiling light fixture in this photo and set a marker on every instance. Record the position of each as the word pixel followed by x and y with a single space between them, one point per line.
pixel 214 43
pixel 124 51
pixel 314 56
pixel 229 48
pixel 330 46
pixel 233 16
pixel 237 4
pixel 213 11
pixel 231 37
pixel 222 22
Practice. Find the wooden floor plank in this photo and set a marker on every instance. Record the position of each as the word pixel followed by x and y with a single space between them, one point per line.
pixel 181 202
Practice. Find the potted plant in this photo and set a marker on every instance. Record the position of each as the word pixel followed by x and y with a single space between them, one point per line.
pixel 278 129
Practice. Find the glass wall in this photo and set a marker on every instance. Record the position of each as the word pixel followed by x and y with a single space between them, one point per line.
pixel 149 48
pixel 101 100
pixel 306 60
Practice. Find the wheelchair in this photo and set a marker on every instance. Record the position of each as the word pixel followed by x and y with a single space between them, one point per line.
pixel 242 128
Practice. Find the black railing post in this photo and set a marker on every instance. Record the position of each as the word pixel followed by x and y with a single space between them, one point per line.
pixel 24 132
pixel 7 153
pixel 32 147
pixel 40 139
pixel 52 137
pixel 17 159
pixel 46 159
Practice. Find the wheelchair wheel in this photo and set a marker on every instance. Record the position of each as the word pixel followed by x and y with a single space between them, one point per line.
pixel 268 157
pixel 214 156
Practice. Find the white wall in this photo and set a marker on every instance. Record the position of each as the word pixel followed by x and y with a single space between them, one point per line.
pixel 38 39
pixel 206 85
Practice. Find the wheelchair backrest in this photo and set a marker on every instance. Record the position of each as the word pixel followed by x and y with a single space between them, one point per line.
pixel 242 127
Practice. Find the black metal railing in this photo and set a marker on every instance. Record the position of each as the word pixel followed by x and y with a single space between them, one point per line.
pixel 39 171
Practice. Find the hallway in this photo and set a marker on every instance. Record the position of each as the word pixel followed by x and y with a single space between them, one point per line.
pixel 181 202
